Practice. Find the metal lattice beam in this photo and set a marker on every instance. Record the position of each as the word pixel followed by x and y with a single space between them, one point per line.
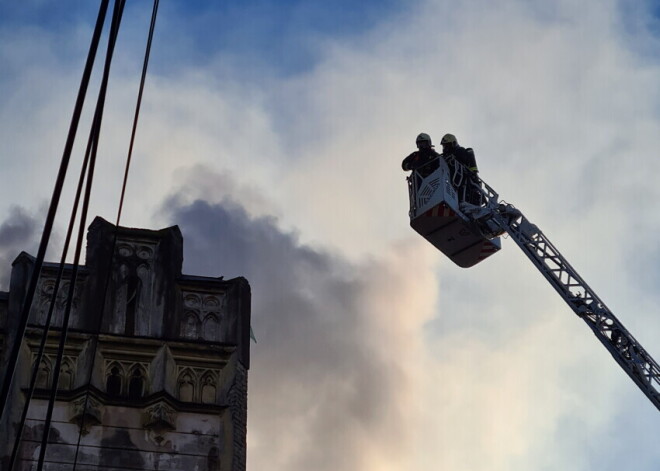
pixel 495 217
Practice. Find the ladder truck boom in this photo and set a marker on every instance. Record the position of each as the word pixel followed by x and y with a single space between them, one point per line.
pixel 624 348
pixel 488 217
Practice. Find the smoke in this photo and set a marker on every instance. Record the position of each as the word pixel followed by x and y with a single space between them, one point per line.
pixel 19 232
pixel 334 369
pixel 559 100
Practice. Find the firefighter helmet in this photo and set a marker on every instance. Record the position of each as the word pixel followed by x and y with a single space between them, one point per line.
pixel 449 139
pixel 423 140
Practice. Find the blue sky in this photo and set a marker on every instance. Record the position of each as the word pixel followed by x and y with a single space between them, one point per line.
pixel 279 36
pixel 278 128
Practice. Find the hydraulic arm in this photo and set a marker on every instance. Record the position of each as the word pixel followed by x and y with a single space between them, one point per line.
pixel 493 217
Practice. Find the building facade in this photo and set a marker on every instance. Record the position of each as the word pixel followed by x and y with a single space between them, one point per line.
pixel 154 373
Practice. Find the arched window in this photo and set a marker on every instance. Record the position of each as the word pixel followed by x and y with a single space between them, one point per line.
pixel 136 384
pixel 134 285
pixel 208 389
pixel 113 382
pixel 211 328
pixel 186 387
pixel 65 381
pixel 189 326
pixel 43 376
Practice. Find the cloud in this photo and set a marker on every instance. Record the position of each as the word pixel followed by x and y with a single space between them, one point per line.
pixel 560 102
pixel 326 392
pixel 389 366
pixel 18 232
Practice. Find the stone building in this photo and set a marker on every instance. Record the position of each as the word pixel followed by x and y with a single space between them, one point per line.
pixel 168 383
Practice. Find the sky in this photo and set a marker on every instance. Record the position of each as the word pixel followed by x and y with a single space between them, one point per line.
pixel 272 133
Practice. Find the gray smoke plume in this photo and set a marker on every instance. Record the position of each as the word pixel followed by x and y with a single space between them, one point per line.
pixel 19 232
pixel 327 385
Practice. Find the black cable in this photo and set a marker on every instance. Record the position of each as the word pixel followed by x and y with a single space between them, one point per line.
pixel 52 210
pixel 65 320
pixel 152 25
pixel 44 336
pixel 94 138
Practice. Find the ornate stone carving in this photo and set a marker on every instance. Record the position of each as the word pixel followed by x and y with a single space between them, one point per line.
pixel 202 315
pixel 66 375
pixel 45 374
pixel 211 327
pixel 190 325
pixel 119 375
pixel 132 283
pixel 208 389
pixel 45 290
pixel 141 250
pixel 159 419
pixel 120 388
pixel 85 412
pixel 198 385
pixel 238 409
pixel 186 387
pixel 192 300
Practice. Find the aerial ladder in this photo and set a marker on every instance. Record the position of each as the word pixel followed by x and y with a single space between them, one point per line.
pixel 463 217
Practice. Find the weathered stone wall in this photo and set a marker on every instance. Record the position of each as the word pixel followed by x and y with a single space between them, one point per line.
pixel 4 300
pixel 238 408
pixel 164 384
pixel 196 441
pixel 4 306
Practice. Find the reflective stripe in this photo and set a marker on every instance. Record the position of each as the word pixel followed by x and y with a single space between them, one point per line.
pixel 474 169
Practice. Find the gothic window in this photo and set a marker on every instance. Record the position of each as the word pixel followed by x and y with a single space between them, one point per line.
pixel 65 381
pixel 132 294
pixel 136 384
pixel 208 389
pixel 186 387
pixel 211 328
pixel 134 285
pixel 118 302
pixel 113 382
pixel 43 376
pixel 189 326
pixel 47 288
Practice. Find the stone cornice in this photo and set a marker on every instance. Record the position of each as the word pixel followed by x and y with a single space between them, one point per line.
pixel 145 402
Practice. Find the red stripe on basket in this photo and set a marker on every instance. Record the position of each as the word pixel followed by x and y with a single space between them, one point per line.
pixel 440 210
pixel 487 249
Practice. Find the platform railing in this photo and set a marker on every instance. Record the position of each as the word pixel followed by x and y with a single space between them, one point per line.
pixel 416 181
pixel 466 183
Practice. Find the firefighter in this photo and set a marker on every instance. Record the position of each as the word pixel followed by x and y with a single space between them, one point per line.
pixel 461 154
pixel 469 186
pixel 425 158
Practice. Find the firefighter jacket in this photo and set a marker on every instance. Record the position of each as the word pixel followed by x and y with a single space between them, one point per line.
pixel 423 159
